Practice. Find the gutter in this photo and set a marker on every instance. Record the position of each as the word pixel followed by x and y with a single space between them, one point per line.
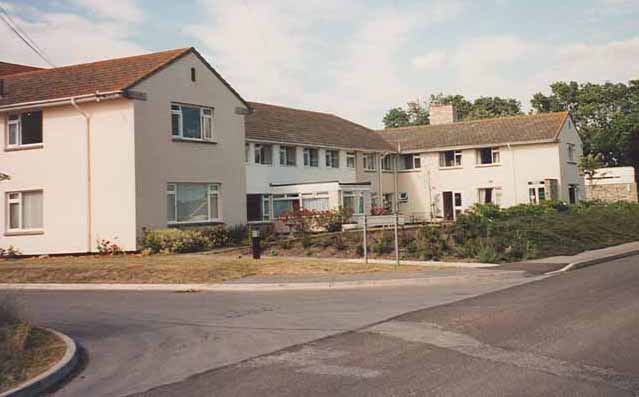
pixel 97 97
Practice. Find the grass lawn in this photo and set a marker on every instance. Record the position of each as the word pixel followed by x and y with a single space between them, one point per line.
pixel 39 352
pixel 169 269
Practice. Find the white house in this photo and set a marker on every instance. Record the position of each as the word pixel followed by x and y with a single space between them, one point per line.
pixel 105 149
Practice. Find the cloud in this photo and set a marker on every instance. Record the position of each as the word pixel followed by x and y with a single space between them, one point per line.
pixel 67 38
pixel 120 10
pixel 430 61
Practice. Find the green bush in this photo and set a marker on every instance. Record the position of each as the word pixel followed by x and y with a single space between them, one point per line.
pixel 382 245
pixel 307 242
pixel 217 236
pixel 239 235
pixel 487 252
pixel 338 242
pixel 174 241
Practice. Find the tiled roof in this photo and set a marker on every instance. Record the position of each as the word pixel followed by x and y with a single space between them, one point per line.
pixel 516 129
pixel 7 68
pixel 281 124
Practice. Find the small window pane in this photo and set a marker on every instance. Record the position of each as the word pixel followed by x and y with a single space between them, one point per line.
pixel 214 208
pixel 32 210
pixel 31 128
pixel 192 202
pixel 170 207
pixel 175 124
pixel 14 216
pixel 191 122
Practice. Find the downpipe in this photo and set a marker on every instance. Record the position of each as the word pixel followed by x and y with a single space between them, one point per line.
pixel 87 118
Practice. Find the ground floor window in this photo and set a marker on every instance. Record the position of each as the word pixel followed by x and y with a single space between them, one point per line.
pixel 490 195
pixel 193 202
pixel 24 210
pixel 572 193
pixel 315 201
pixel 536 192
pixel 283 203
pixel 353 200
pixel 258 207
pixel 388 201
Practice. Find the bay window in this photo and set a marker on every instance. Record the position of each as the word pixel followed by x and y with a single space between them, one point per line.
pixel 387 162
pixel 315 201
pixel 192 122
pixel 24 129
pixel 193 202
pixel 24 211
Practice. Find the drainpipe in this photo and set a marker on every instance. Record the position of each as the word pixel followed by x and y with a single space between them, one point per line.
pixel 87 118
pixel 512 158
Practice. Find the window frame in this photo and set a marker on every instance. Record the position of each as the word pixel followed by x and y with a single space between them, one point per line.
pixel 206 119
pixel 415 161
pixel 496 195
pixel 572 151
pixel 358 199
pixel 258 155
pixel 308 158
pixel 287 150
pixel 456 160
pixel 495 157
pixel 17 122
pixel 534 190
pixel 370 161
pixel 20 202
pixel 351 157
pixel 334 158
pixel 387 162
pixel 213 189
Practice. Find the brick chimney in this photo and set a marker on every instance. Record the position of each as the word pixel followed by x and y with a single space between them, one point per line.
pixel 442 114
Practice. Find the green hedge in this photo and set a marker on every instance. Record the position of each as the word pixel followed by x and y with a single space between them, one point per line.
pixel 192 240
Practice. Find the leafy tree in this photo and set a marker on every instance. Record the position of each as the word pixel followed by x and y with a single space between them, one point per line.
pixel 606 115
pixel 396 117
pixel 416 113
pixel 589 164
pixel 462 106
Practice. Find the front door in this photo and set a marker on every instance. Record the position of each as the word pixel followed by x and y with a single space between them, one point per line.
pixel 449 206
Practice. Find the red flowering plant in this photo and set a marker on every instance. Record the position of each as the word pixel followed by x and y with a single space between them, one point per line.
pixel 380 211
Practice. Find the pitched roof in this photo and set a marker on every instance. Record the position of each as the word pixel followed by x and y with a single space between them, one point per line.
pixel 88 78
pixel 273 123
pixel 7 68
pixel 542 127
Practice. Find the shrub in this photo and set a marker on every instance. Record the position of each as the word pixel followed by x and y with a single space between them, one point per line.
pixel 11 252
pixel 108 247
pixel 382 245
pixel 9 313
pixel 286 243
pixel 239 235
pixel 487 252
pixel 174 241
pixel 306 241
pixel 217 236
pixel 339 243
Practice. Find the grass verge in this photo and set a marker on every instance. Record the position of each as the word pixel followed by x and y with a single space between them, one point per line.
pixel 169 269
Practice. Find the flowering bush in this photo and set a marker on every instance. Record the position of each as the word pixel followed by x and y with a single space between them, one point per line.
pixel 305 220
pixel 107 247
pixel 168 241
pixel 380 211
pixel 11 252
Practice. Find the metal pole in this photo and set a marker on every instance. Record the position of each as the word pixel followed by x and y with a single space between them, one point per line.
pixel 365 239
pixel 396 240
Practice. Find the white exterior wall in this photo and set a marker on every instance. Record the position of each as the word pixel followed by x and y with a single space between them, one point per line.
pixel 570 174
pixel 160 159
pixel 59 169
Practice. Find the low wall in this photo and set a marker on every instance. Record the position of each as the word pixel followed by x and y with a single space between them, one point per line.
pixel 613 192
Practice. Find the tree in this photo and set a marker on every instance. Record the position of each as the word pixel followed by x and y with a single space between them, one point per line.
pixel 4 177
pixel 416 113
pixel 606 116
pixel 462 106
pixel 396 117
pixel 589 164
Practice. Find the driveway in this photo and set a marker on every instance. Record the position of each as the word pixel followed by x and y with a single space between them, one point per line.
pixel 141 340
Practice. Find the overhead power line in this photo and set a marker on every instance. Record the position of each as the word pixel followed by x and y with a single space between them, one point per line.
pixel 22 35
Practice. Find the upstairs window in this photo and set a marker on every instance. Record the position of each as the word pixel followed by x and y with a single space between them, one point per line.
pixel 487 156
pixel 387 163
pixel 410 162
pixel 332 159
pixel 450 158
pixel 311 157
pixel 24 129
pixel 192 122
pixel 263 154
pixel 350 160
pixel 287 156
pixel 370 161
pixel 571 152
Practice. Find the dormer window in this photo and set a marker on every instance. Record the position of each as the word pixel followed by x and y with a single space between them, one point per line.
pixel 24 130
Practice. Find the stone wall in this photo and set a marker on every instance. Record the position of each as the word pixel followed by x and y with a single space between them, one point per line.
pixel 613 192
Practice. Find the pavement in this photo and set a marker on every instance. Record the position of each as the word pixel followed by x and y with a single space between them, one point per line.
pixel 571 334
pixel 137 340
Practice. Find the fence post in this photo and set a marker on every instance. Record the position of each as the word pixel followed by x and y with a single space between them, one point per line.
pixel 396 239
pixel 365 239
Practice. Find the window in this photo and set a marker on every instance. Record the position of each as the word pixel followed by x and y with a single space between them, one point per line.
pixel 409 162
pixel 24 210
pixel 258 207
pixel 573 193
pixel 571 152
pixel 263 154
pixel 536 192
pixel 332 159
pixel 193 74
pixel 488 156
pixel 283 203
pixel 311 157
pixel 350 160
pixel 353 200
pixel 450 158
pixel 24 129
pixel 403 197
pixel 315 201
pixel 387 163
pixel 458 204
pixel 370 161
pixel 388 201
pixel 490 195
pixel 193 202
pixel 287 156
pixel 247 152
pixel 192 122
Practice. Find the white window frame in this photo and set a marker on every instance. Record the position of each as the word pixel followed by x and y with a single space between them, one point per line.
pixel 308 160
pixel 213 190
pixel 17 123
pixel 257 153
pixel 495 157
pixel 496 194
pixel 415 162
pixel 457 159
pixel 358 196
pixel 332 158
pixel 387 162
pixel 284 156
pixel 351 160
pixel 315 196
pixel 533 192
pixel 206 122
pixel 19 201
pixel 370 161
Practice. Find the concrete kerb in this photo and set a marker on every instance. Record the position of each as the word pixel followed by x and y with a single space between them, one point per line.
pixel 320 285
pixel 54 375
pixel 595 261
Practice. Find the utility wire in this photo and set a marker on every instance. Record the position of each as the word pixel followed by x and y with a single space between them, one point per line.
pixel 22 35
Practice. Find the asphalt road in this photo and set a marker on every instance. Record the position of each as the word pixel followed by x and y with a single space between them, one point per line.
pixel 572 334
pixel 140 340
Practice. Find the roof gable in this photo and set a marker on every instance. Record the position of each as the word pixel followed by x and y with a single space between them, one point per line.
pixel 270 123
pixel 544 127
